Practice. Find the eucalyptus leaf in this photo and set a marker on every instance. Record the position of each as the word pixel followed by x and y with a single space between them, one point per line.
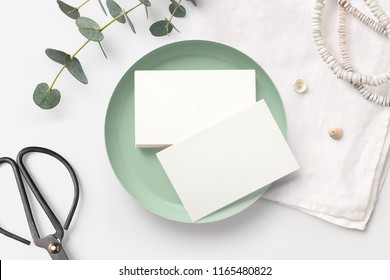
pixel 146 3
pixel 74 67
pixel 89 29
pixel 171 24
pixel 193 2
pixel 56 55
pixel 101 6
pixel 161 28
pixel 115 10
pixel 174 27
pixel 129 22
pixel 180 10
pixel 45 97
pixel 101 47
pixel 69 10
pixel 175 3
pixel 147 12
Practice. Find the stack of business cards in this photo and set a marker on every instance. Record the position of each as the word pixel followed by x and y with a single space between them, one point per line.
pixel 226 159
pixel 171 105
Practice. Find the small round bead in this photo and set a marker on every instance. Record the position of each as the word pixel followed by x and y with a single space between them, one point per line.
pixel 335 132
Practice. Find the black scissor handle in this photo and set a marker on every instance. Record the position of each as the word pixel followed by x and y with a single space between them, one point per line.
pixel 53 219
pixel 23 196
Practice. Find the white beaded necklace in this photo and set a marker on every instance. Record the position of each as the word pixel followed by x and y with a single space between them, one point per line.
pixel 344 70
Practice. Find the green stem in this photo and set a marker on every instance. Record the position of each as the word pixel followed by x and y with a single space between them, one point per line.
pixel 174 12
pixel 55 79
pixel 64 66
pixel 78 8
pixel 170 19
pixel 79 49
pixel 120 15
pixel 86 42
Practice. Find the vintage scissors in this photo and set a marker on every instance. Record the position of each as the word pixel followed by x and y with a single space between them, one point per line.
pixel 52 242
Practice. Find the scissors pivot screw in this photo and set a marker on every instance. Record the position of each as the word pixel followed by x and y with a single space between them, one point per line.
pixel 54 248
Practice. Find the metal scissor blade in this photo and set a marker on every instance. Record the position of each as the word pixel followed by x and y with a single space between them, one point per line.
pixel 61 255
pixel 53 246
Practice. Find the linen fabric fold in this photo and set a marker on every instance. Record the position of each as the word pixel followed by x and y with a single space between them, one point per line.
pixel 339 180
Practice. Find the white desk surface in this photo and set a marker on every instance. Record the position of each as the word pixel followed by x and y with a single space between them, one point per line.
pixel 109 223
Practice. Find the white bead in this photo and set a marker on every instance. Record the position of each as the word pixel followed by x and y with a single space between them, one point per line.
pixel 376 81
pixel 380 14
pixel 364 79
pixel 372 5
pixel 354 78
pixel 319 5
pixel 367 95
pixel 339 72
pixel 315 25
pixel 343 69
pixel 329 59
pixel 337 67
pixel 381 80
pixel 359 78
pixel 325 55
pixel 316 35
pixel 349 76
pixel 322 50
pixel 316 28
pixel 300 86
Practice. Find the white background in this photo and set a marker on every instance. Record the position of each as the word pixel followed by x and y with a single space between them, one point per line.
pixel 109 223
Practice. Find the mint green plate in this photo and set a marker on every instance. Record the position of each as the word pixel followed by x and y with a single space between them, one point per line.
pixel 139 170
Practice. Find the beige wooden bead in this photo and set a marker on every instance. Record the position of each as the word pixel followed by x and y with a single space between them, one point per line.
pixel 335 132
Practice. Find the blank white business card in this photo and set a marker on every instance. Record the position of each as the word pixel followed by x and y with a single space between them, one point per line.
pixel 171 105
pixel 228 160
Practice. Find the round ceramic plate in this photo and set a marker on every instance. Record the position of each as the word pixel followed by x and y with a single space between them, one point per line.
pixel 139 169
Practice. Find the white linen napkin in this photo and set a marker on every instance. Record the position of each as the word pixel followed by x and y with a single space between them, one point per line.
pixel 339 181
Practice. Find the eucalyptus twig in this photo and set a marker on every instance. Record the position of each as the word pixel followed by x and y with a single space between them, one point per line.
pixel 64 66
pixel 172 15
pixel 89 40
pixel 47 97
pixel 174 11
pixel 164 27
pixel 119 16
